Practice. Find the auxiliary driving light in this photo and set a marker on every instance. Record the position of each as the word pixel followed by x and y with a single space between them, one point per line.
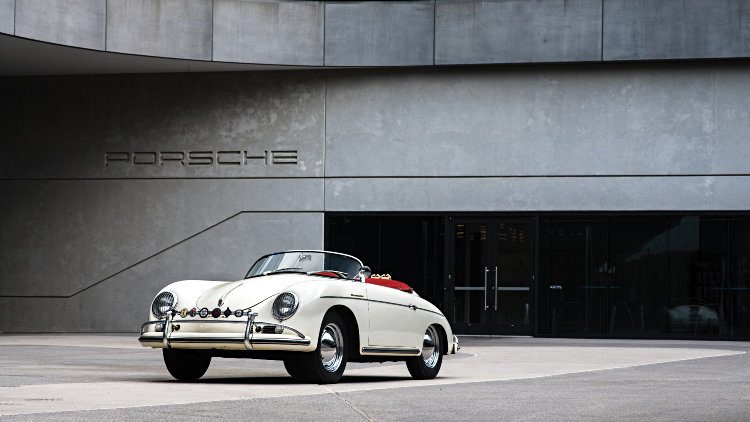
pixel 227 312
pixel 216 313
pixel 192 312
pixel 204 312
pixel 238 313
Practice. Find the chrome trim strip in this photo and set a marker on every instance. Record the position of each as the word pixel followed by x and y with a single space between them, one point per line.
pixel 280 325
pixel 392 351
pixel 381 301
pixel 293 341
pixel 236 340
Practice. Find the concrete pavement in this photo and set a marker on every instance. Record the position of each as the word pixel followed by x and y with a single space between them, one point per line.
pixel 60 377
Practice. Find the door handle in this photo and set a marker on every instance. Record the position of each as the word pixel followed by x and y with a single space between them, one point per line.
pixel 486 270
pixel 496 288
pixel 413 307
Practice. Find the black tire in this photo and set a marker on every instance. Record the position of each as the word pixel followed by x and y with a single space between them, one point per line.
pixel 186 365
pixel 427 365
pixel 332 348
pixel 295 368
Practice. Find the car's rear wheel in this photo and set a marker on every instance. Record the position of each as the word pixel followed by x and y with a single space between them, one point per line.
pixel 186 365
pixel 427 365
pixel 327 363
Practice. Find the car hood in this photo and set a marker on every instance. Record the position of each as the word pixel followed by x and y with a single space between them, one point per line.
pixel 247 293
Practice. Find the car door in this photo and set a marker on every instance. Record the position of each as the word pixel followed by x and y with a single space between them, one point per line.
pixel 394 319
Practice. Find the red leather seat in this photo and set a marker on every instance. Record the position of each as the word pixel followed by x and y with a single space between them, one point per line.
pixel 393 284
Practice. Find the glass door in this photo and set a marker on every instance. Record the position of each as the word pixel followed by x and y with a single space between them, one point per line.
pixel 470 275
pixel 513 272
pixel 491 273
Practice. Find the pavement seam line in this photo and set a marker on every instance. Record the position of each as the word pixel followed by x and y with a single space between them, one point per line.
pixel 350 404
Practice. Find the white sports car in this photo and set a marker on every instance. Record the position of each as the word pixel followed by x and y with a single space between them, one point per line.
pixel 314 310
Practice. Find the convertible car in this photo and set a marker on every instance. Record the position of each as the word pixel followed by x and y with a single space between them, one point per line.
pixel 314 310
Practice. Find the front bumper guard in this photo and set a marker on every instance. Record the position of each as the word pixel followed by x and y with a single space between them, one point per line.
pixel 247 338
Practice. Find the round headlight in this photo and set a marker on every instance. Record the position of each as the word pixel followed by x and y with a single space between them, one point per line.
pixel 163 303
pixel 285 306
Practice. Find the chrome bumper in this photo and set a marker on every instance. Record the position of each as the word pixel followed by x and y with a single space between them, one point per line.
pixel 166 340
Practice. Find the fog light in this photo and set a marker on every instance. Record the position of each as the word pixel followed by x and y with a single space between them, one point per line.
pixel 279 329
pixel 159 327
pixel 204 312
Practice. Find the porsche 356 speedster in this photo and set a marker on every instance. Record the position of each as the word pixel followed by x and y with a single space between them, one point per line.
pixel 314 310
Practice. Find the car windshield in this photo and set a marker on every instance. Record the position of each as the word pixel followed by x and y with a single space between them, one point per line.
pixel 305 262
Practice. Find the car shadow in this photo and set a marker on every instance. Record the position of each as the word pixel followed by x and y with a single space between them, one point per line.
pixel 282 380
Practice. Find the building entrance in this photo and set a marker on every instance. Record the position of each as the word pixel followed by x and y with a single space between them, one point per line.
pixel 491 274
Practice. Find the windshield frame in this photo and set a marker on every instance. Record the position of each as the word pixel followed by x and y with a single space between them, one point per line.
pixel 352 277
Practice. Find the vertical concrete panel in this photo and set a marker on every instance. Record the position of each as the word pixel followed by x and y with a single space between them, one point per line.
pixel 375 33
pixel 517 31
pixel 675 29
pixel 656 119
pixel 7 16
pixel 78 232
pixel 276 119
pixel 168 28
pixel 79 23
pixel 121 303
pixel 283 32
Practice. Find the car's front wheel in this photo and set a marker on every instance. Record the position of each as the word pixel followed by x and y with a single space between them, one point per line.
pixel 427 365
pixel 326 364
pixel 186 365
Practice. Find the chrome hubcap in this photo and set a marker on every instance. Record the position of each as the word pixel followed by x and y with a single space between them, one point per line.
pixel 331 347
pixel 430 347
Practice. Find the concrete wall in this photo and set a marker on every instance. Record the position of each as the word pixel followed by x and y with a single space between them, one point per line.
pixel 79 23
pixel 390 33
pixel 7 16
pixel 377 33
pixel 92 229
pixel 517 31
pixel 676 29
pixel 91 241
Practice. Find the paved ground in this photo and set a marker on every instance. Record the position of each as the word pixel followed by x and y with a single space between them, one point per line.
pixel 83 377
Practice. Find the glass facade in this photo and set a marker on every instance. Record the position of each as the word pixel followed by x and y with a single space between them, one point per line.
pixel 618 275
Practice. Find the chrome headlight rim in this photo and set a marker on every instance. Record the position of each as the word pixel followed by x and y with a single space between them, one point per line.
pixel 275 308
pixel 154 309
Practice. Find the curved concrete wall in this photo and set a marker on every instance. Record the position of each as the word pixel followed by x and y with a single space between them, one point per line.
pixel 390 33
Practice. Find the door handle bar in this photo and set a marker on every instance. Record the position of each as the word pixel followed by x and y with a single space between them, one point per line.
pixel 496 287
pixel 486 270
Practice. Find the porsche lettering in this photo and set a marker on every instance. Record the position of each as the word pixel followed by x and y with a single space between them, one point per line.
pixel 201 158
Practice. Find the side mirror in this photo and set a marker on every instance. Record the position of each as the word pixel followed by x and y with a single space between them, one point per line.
pixel 364 273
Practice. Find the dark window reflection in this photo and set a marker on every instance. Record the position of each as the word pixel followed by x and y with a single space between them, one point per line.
pixel 697 276
pixel 637 274
pixel 737 296
pixel 577 277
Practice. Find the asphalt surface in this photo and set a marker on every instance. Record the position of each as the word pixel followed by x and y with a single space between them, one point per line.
pixel 61 378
